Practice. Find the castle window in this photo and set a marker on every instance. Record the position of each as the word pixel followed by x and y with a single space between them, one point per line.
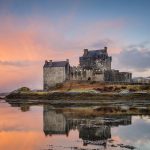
pixel 84 74
pixel 79 73
pixel 89 78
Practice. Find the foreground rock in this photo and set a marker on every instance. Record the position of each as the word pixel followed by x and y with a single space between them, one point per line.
pixel 22 89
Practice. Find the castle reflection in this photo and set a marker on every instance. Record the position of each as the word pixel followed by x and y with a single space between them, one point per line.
pixel 53 122
pixel 94 130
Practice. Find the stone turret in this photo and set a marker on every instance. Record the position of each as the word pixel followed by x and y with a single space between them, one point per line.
pixel 50 62
pixel 46 62
pixel 85 52
pixel 105 49
pixel 67 60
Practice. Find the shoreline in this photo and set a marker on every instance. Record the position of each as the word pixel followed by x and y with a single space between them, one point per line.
pixel 78 96
pixel 86 103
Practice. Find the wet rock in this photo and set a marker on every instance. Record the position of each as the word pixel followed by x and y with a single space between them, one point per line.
pixel 124 92
pixel 113 145
pixel 124 107
pixel 22 89
pixel 126 146
pixel 111 140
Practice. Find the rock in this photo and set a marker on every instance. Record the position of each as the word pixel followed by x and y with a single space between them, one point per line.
pixel 110 140
pixel 22 89
pixel 129 147
pixel 113 145
pixel 126 146
pixel 124 92
pixel 124 107
pixel 141 92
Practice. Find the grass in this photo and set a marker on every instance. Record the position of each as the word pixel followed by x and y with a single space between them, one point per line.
pixel 84 91
pixel 77 96
pixel 97 86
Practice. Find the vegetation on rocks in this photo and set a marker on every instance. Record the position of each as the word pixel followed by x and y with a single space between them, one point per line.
pixel 77 96
pixel 22 89
pixel 85 91
pixel 98 87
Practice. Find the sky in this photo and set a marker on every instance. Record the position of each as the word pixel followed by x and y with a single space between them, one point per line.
pixel 32 31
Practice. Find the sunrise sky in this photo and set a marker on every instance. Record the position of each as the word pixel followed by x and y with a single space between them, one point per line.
pixel 34 30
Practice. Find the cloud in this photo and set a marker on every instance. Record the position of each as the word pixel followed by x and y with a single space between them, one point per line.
pixel 35 38
pixel 134 58
pixel 17 63
pixel 13 77
pixel 102 43
pixel 26 43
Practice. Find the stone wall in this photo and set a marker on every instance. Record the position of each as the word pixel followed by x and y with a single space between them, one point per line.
pixel 125 76
pixel 116 76
pixel 53 75
pixel 95 59
pixel 77 73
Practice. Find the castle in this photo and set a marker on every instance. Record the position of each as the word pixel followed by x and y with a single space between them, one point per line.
pixel 94 65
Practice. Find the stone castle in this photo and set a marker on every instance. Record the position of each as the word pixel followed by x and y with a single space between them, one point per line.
pixel 94 65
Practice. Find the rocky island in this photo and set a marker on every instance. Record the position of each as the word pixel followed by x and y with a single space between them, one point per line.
pixel 92 85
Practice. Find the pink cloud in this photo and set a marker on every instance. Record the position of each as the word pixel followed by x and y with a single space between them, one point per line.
pixel 36 39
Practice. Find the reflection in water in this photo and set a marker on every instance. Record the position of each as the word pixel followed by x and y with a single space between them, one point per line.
pixel 25 108
pixel 99 134
pixel 22 129
pixel 91 130
pixel 54 123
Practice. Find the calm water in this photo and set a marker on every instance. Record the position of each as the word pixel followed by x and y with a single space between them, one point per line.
pixel 41 127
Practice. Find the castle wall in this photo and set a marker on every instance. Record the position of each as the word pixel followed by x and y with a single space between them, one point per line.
pixel 108 63
pixel 96 59
pixel 53 75
pixel 102 132
pixel 98 77
pixel 116 76
pixel 86 74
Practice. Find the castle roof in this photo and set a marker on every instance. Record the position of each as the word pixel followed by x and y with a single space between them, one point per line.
pixel 55 64
pixel 93 53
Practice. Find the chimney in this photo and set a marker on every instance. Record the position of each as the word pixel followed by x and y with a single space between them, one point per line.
pixel 67 60
pixel 85 52
pixel 46 62
pixel 105 49
pixel 50 62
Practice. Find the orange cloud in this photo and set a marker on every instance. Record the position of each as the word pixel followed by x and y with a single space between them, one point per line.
pixel 30 41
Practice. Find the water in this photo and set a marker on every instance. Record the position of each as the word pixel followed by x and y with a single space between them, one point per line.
pixel 42 128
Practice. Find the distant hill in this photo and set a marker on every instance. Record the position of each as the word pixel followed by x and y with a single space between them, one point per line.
pixel 3 94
